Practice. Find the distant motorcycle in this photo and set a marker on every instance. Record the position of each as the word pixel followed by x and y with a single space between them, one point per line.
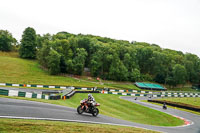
pixel 92 109
pixel 164 106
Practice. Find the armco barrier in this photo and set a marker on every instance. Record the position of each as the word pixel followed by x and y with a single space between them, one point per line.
pixel 150 95
pixel 176 104
pixel 38 86
pixel 74 92
pixel 22 94
pixel 107 91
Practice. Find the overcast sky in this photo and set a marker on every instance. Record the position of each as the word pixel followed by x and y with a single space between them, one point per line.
pixel 173 24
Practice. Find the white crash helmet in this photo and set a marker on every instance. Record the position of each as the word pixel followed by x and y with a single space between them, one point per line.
pixel 89 95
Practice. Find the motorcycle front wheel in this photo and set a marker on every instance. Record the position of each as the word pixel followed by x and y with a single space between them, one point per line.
pixel 79 110
pixel 95 112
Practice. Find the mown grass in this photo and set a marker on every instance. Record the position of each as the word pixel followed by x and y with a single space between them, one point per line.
pixel 187 110
pixel 21 71
pixel 112 105
pixel 187 100
pixel 38 126
pixel 183 89
pixel 16 70
pixel 123 86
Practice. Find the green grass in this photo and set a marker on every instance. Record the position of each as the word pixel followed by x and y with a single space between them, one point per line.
pixel 187 100
pixel 183 89
pixel 21 71
pixel 40 126
pixel 16 70
pixel 112 105
pixel 123 86
pixel 194 112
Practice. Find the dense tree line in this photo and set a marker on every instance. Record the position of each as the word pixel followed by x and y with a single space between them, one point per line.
pixel 7 42
pixel 109 58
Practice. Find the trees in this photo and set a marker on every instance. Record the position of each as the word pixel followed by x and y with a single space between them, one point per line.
pixel 6 41
pixel 28 44
pixel 179 74
pixel 110 59
pixel 79 61
pixel 54 62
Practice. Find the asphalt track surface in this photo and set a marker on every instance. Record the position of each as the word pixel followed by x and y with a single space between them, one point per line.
pixel 13 108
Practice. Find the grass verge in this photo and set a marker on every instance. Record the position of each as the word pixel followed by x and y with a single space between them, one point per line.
pixel 187 100
pixel 112 105
pixel 186 110
pixel 36 126
pixel 22 71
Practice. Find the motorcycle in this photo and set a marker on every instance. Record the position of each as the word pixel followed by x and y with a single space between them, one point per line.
pixel 92 108
pixel 164 106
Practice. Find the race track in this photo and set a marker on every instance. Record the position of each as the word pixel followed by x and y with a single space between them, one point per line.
pixel 13 108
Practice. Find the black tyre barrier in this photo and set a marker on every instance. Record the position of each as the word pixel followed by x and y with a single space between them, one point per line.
pixel 54 97
pixel 69 95
pixel 87 91
pixel 176 104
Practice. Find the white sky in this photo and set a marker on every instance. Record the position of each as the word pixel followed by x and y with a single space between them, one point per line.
pixel 173 24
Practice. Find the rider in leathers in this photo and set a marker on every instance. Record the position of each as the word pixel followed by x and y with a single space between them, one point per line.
pixel 90 101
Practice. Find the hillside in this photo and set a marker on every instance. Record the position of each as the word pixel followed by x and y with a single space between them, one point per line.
pixel 16 70
pixel 110 59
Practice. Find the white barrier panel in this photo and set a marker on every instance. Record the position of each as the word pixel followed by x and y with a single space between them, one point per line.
pixel 40 86
pixel 169 95
pixel 105 92
pixel 39 96
pixel 84 89
pixel 132 94
pixel 51 86
pixel 62 87
pixel 154 95
pixel 121 90
pixel 28 95
pixel 124 94
pixel 150 92
pixel 141 95
pixel 13 93
pixel 142 91
pixel 114 93
pixel 28 85
pixel 112 90
pixel 46 97
pixel 3 84
pixel 134 91
pixel 72 88
pixel 15 85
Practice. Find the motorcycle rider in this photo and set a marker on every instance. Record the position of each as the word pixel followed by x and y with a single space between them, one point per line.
pixel 90 101
pixel 164 106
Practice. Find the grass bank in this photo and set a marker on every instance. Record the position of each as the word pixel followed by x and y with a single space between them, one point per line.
pixel 21 71
pixel 194 112
pixel 112 105
pixel 36 126
pixel 187 100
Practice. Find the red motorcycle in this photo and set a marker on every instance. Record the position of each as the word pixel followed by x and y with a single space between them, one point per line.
pixel 92 107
